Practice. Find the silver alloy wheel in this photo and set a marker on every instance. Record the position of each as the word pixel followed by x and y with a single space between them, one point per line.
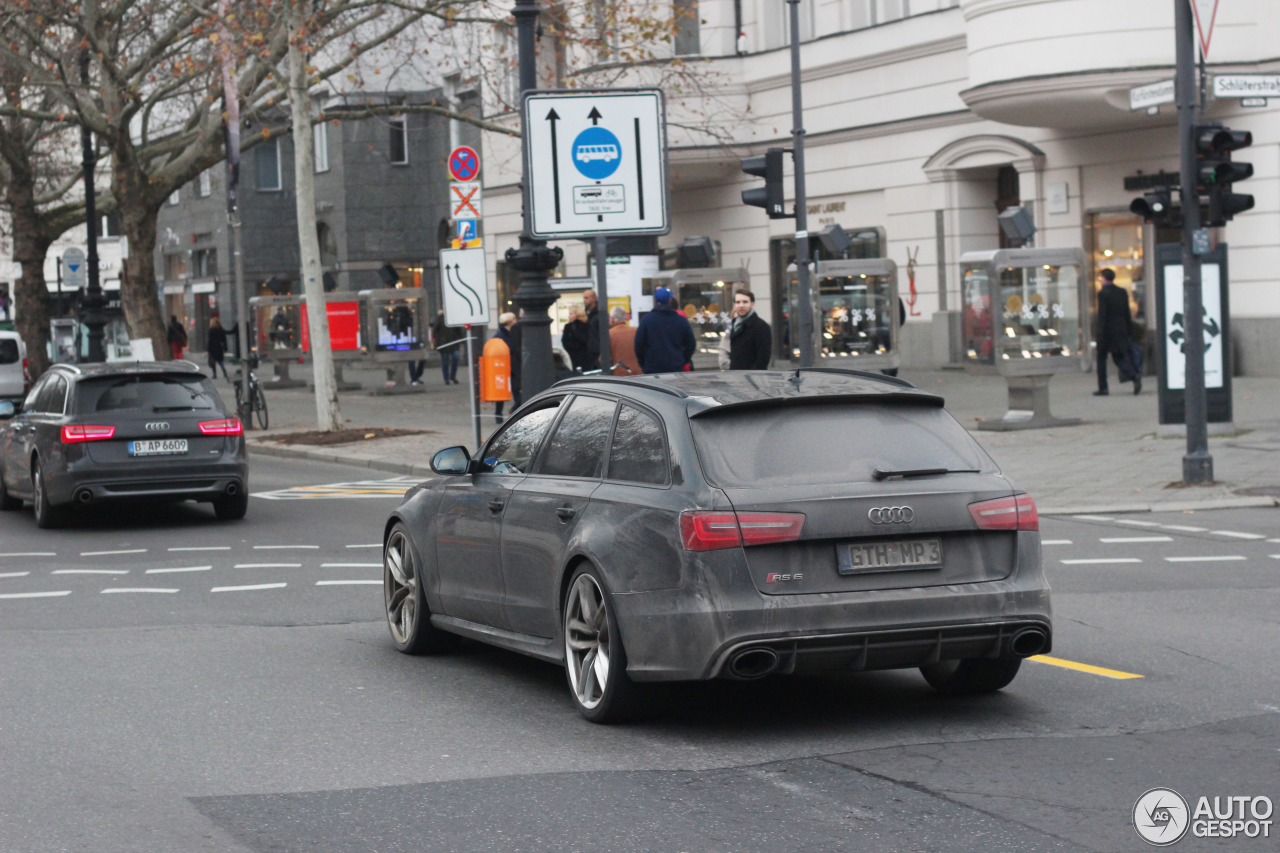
pixel 587 647
pixel 38 505
pixel 400 588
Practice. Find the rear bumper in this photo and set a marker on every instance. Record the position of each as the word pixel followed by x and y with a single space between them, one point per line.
pixel 203 483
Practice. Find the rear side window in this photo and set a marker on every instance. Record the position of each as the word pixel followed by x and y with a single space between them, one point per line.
pixel 638 453
pixel 576 449
pixel 8 351
pixel 146 393
pixel 512 450
pixel 830 444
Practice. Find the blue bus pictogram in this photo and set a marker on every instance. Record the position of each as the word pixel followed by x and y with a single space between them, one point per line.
pixel 597 153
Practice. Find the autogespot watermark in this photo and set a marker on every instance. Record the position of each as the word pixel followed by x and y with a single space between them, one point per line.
pixel 1162 817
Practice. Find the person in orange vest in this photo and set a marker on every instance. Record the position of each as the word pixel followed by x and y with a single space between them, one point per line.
pixel 495 366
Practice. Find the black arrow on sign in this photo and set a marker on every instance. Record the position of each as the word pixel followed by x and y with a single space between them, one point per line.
pixel 553 117
pixel 595 116
pixel 450 274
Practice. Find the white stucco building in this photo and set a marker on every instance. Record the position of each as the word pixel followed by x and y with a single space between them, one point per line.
pixel 924 118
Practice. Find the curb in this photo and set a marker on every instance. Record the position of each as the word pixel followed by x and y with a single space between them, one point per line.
pixel 358 460
pixel 1228 502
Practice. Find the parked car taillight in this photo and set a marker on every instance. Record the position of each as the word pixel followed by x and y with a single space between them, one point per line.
pixel 231 426
pixel 708 530
pixel 83 432
pixel 1012 513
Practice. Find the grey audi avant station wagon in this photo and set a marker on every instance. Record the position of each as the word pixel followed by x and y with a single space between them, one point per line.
pixel 731 525
pixel 121 431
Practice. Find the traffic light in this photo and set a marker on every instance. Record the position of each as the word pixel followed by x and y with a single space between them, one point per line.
pixel 1216 173
pixel 1157 207
pixel 770 197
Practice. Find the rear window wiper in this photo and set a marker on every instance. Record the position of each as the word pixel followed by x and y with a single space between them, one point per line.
pixel 882 474
pixel 174 408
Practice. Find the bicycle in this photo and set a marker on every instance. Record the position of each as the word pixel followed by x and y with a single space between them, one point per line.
pixel 257 408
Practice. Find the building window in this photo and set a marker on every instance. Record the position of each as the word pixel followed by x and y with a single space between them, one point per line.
pixel 863 14
pixel 174 198
pixel 895 9
pixel 266 160
pixel 320 143
pixel 399 141
pixel 204 184
pixel 687 36
pixel 110 225
pixel 175 266
pixel 204 263
pixel 776 18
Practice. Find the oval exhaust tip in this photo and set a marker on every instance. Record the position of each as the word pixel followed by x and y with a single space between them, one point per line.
pixel 753 663
pixel 233 489
pixel 1028 642
pixel 84 496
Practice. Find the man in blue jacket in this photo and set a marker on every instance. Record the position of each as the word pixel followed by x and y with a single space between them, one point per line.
pixel 664 341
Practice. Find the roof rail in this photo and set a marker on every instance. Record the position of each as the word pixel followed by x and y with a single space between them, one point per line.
pixel 865 374
pixel 620 380
pixel 74 368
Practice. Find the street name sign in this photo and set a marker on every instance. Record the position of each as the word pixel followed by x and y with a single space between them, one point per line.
pixel 464 284
pixel 1246 85
pixel 73 268
pixel 596 163
pixel 1151 95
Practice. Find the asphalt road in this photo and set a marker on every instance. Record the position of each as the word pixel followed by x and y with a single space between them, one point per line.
pixel 260 706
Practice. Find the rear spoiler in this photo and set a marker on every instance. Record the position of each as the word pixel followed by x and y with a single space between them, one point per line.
pixel 902 397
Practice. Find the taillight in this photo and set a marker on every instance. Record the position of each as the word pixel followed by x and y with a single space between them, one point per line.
pixel 82 432
pixel 1017 512
pixel 231 426
pixel 710 530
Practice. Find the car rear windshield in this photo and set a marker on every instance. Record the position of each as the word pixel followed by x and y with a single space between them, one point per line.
pixel 8 351
pixel 830 443
pixel 148 393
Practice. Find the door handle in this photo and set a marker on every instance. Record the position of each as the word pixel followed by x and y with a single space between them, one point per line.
pixel 496 505
pixel 566 512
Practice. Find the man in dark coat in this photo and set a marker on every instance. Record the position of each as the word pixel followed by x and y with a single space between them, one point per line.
pixel 750 341
pixel 574 338
pixel 664 341
pixel 592 359
pixel 1115 334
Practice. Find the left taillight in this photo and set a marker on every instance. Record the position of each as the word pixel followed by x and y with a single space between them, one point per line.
pixel 1017 512
pixel 710 530
pixel 76 433
pixel 230 426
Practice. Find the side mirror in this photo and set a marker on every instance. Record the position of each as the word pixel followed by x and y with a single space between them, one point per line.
pixel 7 410
pixel 452 461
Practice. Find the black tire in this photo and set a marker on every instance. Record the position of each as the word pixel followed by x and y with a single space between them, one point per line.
pixel 47 515
pixel 8 502
pixel 971 676
pixel 589 631
pixel 259 406
pixel 232 507
pixel 405 603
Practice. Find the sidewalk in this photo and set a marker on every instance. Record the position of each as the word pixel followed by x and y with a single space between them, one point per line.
pixel 1113 462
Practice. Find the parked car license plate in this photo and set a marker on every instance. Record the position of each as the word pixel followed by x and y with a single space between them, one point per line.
pixel 157 446
pixel 891 556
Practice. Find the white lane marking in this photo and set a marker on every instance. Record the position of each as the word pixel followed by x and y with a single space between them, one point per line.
pixel 379 545
pixel 347 583
pixel 1274 556
pixel 1119 539
pixel 1102 560
pixel 155 589
pixel 179 569
pixel 90 571
pixel 14 574
pixel 285 547
pixel 1235 535
pixel 1184 528
pixel 1219 559
pixel 30 554
pixel 204 548
pixel 109 553
pixel 35 594
pixel 392 488
pixel 1137 523
pixel 1055 541
pixel 249 587
pixel 1094 517
pixel 268 565
pixel 351 566
pixel 1269 540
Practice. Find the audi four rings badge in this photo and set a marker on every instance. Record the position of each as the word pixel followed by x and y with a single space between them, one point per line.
pixel 891 515
pixel 158 426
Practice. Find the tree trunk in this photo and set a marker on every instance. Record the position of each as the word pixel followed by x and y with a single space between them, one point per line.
pixel 328 412
pixel 138 291
pixel 30 293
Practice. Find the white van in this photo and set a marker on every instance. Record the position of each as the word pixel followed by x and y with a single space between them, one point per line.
pixel 14 379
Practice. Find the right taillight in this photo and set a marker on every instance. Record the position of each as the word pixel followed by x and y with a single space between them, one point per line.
pixel 710 530
pixel 1017 512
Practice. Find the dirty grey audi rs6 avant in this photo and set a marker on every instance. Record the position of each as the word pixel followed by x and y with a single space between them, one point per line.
pixel 730 525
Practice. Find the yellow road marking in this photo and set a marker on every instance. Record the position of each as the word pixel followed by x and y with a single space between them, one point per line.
pixel 1084 667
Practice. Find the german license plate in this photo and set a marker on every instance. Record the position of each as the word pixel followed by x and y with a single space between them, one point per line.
pixel 158 447
pixel 890 556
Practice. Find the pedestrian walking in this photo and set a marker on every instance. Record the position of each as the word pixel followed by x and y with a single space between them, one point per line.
pixel 509 335
pixel 750 340
pixel 574 338
pixel 1115 334
pixel 664 340
pixel 592 360
pixel 217 348
pixel 177 337
pixel 448 341
pixel 622 343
